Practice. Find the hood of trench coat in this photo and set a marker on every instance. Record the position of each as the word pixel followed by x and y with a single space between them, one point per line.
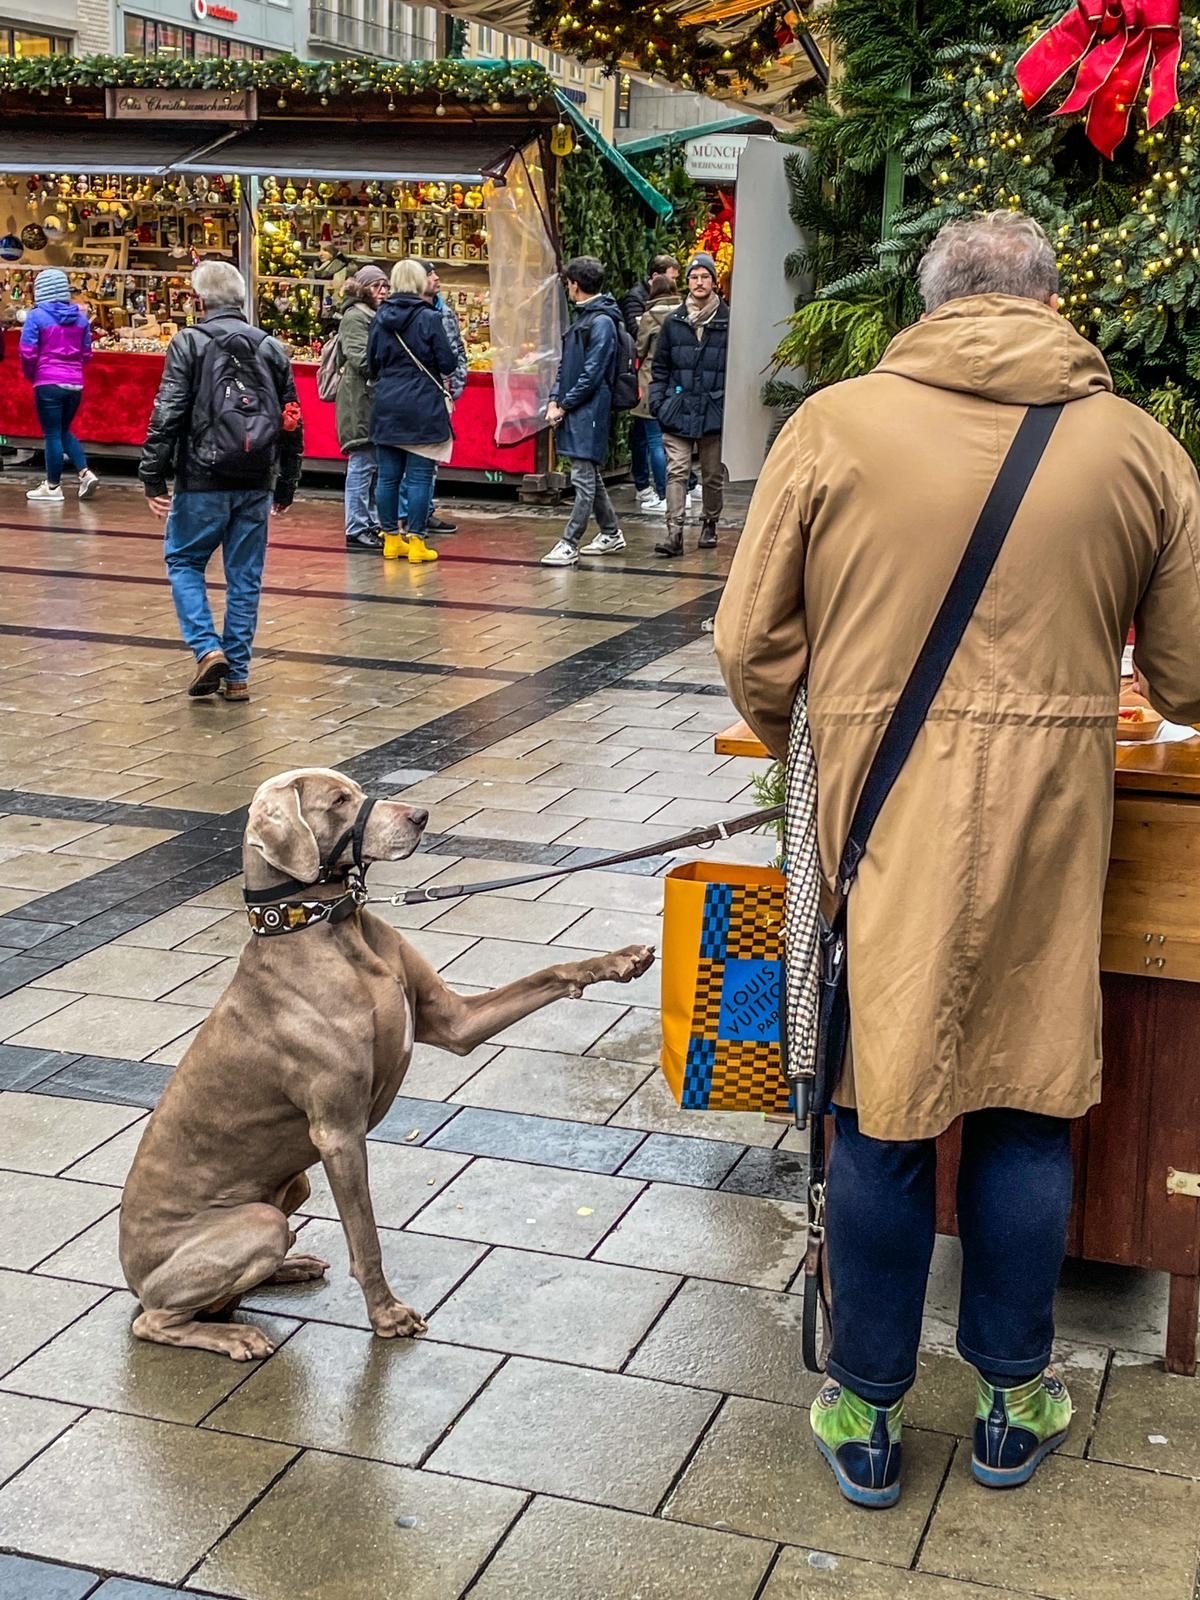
pixel 974 926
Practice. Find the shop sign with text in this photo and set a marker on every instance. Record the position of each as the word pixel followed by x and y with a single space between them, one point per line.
pixel 182 105
pixel 714 159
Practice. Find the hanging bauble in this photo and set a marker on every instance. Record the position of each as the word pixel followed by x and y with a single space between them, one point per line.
pixel 562 139
pixel 33 236
pixel 11 248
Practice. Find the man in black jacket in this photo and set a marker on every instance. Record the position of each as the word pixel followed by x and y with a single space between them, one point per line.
pixel 687 395
pixel 633 308
pixel 226 425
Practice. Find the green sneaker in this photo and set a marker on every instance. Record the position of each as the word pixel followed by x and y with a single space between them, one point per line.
pixel 861 1443
pixel 1016 1429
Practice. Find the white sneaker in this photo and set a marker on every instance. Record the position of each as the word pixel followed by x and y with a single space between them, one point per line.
pixel 605 544
pixel 563 555
pixel 689 501
pixel 88 483
pixel 45 492
pixel 654 507
pixel 645 495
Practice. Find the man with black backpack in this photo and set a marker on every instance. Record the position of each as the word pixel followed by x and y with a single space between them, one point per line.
pixel 226 426
pixel 597 376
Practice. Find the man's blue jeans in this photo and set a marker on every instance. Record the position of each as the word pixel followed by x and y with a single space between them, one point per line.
pixel 1014 1200
pixel 656 452
pixel 640 457
pixel 200 521
pixel 361 472
pixel 56 405
pixel 416 473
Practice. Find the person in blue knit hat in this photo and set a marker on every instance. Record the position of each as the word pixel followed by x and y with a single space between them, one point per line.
pixel 56 345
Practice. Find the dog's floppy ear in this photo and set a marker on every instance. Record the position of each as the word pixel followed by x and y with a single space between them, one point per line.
pixel 277 830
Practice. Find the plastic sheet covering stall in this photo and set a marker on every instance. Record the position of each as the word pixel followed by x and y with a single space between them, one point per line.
pixel 528 307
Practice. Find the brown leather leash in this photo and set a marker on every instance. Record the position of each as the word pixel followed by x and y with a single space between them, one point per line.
pixel 698 838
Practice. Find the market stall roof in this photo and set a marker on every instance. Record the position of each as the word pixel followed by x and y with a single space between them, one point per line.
pixel 94 146
pixel 671 137
pixel 789 78
pixel 658 203
pixel 383 151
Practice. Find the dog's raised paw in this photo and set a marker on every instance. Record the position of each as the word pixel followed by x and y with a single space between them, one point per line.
pixel 397 1321
pixel 623 966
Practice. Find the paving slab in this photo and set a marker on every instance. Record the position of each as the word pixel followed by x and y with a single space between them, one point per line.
pixel 581 1312
pixel 546 1141
pixel 403 1178
pixel 1149 1419
pixel 1080 1531
pixel 421 1269
pixel 124 1493
pixel 23 1579
pixel 41 1214
pixel 91 1257
pixel 728 1337
pixel 98 1362
pixel 817 1575
pixel 569 1431
pixel 652 1107
pixel 758 1472
pixel 26 1427
pixel 34 1309
pixel 344 1390
pixel 549 1084
pixel 943 1397
pixel 673 1158
pixel 39 1134
pixel 400 1533
pixel 535 1208
pixel 579 1552
pixel 699 1233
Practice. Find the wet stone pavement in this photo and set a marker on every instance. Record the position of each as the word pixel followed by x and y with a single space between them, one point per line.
pixel 609 1404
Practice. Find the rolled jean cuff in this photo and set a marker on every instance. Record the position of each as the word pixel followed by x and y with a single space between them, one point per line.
pixel 875 1394
pixel 1003 1374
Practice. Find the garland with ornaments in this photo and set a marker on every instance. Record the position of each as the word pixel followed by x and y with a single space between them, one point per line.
pixel 490 84
pixel 661 42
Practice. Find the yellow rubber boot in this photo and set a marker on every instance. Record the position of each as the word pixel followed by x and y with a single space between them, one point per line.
pixel 395 547
pixel 418 550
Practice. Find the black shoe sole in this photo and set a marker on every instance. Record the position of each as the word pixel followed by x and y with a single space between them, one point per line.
pixel 209 682
pixel 667 551
pixel 363 544
pixel 450 527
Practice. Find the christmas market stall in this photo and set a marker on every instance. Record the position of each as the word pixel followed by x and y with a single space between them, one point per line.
pixel 126 172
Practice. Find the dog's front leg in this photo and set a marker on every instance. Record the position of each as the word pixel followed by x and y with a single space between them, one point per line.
pixel 344 1157
pixel 460 1022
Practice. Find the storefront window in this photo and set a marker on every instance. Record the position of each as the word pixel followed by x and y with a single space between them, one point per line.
pixel 20 42
pixel 146 38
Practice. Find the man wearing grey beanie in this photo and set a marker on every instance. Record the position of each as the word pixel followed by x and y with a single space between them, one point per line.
pixel 56 344
pixel 687 395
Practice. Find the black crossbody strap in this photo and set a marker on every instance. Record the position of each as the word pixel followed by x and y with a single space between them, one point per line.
pixel 908 718
pixel 949 625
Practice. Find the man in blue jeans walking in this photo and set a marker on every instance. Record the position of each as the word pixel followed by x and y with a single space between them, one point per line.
pixel 226 425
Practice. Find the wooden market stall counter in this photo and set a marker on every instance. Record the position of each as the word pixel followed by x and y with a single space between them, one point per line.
pixel 120 386
pixel 1137 1154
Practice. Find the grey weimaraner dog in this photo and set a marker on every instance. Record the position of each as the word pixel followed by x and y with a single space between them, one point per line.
pixel 304 1052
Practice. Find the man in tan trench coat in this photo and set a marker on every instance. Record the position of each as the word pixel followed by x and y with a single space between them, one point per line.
pixel 974 925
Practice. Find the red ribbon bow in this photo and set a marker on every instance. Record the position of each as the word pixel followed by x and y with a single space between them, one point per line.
pixel 1113 42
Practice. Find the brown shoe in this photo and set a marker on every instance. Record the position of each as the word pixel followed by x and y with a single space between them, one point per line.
pixel 210 669
pixel 235 691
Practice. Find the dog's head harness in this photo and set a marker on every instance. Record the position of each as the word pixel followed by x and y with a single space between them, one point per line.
pixel 271 911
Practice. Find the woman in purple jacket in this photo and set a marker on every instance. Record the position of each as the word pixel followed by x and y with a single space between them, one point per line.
pixel 56 343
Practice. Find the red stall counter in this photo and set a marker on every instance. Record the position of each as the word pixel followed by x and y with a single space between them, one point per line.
pixel 119 392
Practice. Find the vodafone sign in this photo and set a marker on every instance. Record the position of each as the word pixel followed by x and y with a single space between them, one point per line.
pixel 207 11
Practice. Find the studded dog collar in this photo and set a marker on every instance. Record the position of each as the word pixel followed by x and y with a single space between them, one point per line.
pixel 290 916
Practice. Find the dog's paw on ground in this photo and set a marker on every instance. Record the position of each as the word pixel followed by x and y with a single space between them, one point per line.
pixel 397 1321
pixel 242 1341
pixel 299 1269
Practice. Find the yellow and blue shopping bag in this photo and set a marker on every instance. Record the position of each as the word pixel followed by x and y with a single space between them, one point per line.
pixel 722 985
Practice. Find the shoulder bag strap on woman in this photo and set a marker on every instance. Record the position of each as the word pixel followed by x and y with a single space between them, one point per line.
pixel 814 1096
pixel 417 362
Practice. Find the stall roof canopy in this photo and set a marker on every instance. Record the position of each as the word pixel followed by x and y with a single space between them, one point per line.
pixel 652 197
pixel 385 151
pixel 89 147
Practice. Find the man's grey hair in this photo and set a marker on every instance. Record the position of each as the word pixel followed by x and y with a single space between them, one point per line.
pixel 219 283
pixel 1003 252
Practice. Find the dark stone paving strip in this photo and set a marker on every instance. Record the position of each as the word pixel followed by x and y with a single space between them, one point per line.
pixel 112 812
pixel 122 897
pixel 489 607
pixel 437 669
pixel 667 687
pixel 620 569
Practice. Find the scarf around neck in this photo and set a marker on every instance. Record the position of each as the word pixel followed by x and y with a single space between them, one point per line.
pixel 701 315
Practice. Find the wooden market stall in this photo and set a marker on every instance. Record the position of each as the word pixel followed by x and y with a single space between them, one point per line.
pixel 126 172
pixel 1137 1154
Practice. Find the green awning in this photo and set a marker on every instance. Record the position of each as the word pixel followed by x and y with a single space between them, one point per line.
pixel 654 142
pixel 658 203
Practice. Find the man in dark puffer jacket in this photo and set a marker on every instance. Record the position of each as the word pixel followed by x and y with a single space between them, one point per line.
pixel 687 395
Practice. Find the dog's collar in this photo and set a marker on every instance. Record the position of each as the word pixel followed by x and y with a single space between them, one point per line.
pixel 290 916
